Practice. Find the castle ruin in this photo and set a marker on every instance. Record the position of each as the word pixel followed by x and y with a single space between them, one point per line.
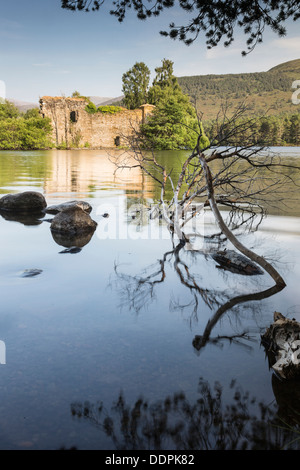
pixel 74 127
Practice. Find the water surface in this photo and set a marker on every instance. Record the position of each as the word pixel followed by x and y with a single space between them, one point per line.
pixel 100 342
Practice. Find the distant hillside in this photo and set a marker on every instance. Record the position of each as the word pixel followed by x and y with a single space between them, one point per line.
pixel 23 106
pixel 269 91
pixel 99 100
pixel 288 67
pixel 103 101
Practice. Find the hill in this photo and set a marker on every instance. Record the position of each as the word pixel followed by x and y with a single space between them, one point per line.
pixel 269 91
pixel 103 101
pixel 23 106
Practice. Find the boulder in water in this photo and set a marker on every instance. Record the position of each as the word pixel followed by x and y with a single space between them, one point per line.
pixel 72 221
pixel 55 209
pixel 26 202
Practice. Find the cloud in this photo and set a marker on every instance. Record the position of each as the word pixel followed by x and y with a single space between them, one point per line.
pixel 289 44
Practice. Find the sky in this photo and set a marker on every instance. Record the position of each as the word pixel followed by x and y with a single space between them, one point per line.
pixel 45 50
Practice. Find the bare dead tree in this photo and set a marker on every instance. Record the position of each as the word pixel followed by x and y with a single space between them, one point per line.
pixel 234 171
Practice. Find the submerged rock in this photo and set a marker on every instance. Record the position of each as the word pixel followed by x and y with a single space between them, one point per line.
pixel 26 202
pixel 55 209
pixel 73 221
pixel 31 272
pixel 232 261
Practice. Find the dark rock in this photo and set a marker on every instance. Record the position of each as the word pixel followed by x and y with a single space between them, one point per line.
pixel 73 221
pixel 31 272
pixel 72 250
pixel 234 262
pixel 55 209
pixel 26 202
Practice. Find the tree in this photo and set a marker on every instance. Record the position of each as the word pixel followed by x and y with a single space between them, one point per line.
pixel 173 123
pixel 241 178
pixel 32 113
pixel 8 110
pixel 165 75
pixel 135 85
pixel 218 20
pixel 28 131
pixel 164 83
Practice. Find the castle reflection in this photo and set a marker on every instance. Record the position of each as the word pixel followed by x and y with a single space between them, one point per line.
pixel 84 172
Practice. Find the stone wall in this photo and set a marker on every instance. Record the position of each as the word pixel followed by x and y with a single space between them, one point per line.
pixel 74 127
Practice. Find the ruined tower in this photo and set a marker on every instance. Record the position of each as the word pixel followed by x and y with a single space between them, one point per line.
pixel 74 127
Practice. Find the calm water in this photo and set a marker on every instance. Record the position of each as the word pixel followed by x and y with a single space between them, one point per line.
pixel 98 349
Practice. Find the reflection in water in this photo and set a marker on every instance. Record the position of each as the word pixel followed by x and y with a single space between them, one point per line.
pixel 156 426
pixel 25 219
pixel 287 395
pixel 138 291
pixel 200 341
pixel 82 172
pixel 72 240
pixel 177 423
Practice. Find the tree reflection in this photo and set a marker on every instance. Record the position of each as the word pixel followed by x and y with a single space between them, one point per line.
pixel 208 423
pixel 136 291
pixel 200 341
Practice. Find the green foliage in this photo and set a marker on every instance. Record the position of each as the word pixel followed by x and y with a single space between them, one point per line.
pixel 269 131
pixel 91 108
pixel 76 94
pixel 163 80
pixel 29 131
pixel 8 110
pixel 20 133
pixel 262 91
pixel 109 109
pixel 204 141
pixel 32 113
pixel 218 21
pixel 135 85
pixel 173 123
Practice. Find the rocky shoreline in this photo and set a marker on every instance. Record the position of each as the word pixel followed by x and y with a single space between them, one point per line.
pixel 71 225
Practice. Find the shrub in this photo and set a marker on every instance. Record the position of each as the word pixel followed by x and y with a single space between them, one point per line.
pixel 91 108
pixel 109 109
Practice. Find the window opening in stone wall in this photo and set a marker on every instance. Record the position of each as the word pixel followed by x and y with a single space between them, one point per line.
pixel 74 116
pixel 117 141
